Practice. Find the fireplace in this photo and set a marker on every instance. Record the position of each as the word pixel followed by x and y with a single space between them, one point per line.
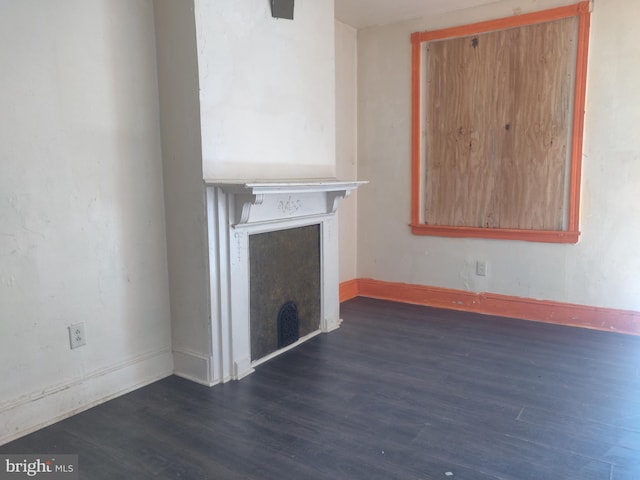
pixel 284 288
pixel 238 213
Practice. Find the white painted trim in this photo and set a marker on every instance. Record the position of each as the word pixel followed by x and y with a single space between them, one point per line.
pixel 293 186
pixel 44 407
pixel 277 201
pixel 260 361
pixel 193 366
pixel 335 326
pixel 242 368
pixel 238 210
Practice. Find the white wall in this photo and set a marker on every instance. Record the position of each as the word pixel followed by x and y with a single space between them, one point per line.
pixel 602 269
pixel 81 207
pixel 267 90
pixel 183 186
pixel 346 144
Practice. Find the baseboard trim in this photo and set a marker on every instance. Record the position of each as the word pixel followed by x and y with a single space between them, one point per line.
pixel 300 341
pixel 194 366
pixel 349 290
pixel 597 318
pixel 45 407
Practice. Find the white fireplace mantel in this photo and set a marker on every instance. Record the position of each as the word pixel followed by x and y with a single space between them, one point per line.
pixel 269 201
pixel 236 210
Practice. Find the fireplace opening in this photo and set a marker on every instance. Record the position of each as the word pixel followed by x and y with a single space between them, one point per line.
pixel 288 325
pixel 284 287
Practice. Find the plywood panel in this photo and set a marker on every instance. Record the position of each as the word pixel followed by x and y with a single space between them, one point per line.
pixel 498 125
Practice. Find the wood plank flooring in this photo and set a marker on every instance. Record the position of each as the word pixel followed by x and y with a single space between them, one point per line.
pixel 398 392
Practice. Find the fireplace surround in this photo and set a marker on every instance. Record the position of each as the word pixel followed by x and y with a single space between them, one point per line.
pixel 237 210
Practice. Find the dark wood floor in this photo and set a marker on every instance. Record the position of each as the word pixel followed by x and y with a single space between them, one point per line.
pixel 399 392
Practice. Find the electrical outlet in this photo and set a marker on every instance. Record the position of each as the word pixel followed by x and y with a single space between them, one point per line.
pixel 77 337
pixel 481 268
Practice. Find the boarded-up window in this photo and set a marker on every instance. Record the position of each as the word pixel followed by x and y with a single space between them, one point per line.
pixel 499 135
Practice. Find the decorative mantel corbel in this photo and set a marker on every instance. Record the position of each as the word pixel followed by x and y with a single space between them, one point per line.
pixel 246 202
pixel 333 197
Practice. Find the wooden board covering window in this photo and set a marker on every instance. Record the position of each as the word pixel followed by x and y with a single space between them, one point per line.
pixel 497 127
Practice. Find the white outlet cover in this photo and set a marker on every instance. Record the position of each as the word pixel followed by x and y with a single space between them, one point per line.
pixel 481 268
pixel 77 336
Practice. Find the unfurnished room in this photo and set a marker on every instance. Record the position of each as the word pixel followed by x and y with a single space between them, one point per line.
pixel 317 239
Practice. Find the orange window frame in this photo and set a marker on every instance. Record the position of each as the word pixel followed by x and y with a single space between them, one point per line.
pixel 581 10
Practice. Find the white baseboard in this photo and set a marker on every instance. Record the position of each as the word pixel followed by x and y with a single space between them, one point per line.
pixel 194 367
pixel 300 341
pixel 44 407
pixel 334 326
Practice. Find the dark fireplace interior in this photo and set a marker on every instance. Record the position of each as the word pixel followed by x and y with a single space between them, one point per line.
pixel 288 325
pixel 284 268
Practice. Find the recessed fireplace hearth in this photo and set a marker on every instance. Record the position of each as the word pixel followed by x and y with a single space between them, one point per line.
pixel 246 291
pixel 284 292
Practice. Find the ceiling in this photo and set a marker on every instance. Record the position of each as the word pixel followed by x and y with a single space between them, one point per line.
pixel 366 13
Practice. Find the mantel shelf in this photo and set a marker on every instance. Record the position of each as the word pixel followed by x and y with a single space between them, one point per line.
pixel 286 187
pixel 268 201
